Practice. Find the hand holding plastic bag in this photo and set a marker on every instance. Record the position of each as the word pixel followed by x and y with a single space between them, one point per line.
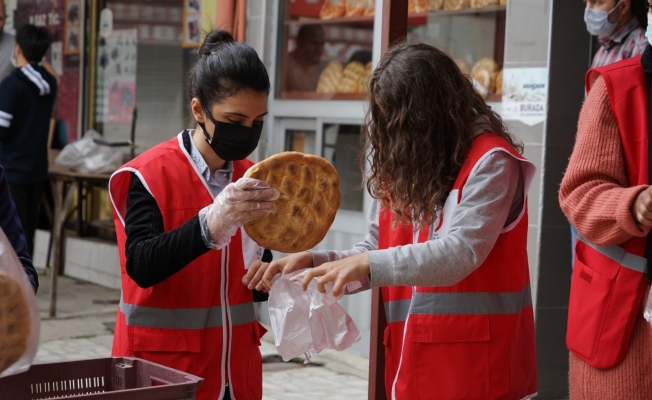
pixel 238 203
pixel 306 323
pixel 19 316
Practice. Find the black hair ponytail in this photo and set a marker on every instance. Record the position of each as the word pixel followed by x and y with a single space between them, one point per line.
pixel 225 67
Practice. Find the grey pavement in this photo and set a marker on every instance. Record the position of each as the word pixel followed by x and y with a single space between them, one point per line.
pixel 82 330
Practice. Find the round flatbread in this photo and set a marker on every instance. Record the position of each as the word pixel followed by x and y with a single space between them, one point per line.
pixel 309 198
pixel 14 321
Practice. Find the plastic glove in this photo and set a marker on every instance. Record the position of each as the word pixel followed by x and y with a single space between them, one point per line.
pixel 238 203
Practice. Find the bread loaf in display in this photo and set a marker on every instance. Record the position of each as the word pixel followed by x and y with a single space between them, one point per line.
pixel 355 8
pixel 456 4
pixel 484 3
pixel 351 76
pixel 332 9
pixel 309 190
pixel 15 321
pixel 363 82
pixel 484 72
pixel 435 5
pixel 417 6
pixel 371 5
pixel 330 77
pixel 498 85
pixel 503 2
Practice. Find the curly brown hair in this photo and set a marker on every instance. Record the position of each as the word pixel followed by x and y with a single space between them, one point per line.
pixel 418 131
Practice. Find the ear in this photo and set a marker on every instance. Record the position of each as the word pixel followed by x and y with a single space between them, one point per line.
pixel 17 50
pixel 626 6
pixel 197 110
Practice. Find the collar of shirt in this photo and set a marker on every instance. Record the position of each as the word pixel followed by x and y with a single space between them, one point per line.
pixel 218 181
pixel 620 36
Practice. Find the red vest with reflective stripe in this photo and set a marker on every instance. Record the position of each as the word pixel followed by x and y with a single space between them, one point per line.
pixel 609 282
pixel 475 339
pixel 200 320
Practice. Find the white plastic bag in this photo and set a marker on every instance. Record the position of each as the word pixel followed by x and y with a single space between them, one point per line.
pixel 20 322
pixel 86 156
pixel 305 323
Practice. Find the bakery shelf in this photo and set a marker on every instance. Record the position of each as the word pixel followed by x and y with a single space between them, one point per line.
pixel 413 18
pixel 322 96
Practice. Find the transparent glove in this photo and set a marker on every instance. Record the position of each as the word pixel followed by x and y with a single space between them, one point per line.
pixel 237 204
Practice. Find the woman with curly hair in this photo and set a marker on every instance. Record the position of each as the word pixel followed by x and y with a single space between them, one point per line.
pixel 447 235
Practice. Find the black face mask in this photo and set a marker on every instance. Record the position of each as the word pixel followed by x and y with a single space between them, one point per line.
pixel 232 142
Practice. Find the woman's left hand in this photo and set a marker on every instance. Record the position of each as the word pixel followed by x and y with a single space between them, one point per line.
pixel 339 272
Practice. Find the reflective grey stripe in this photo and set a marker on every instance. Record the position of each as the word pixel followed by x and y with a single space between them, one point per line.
pixel 185 318
pixel 471 302
pixel 397 310
pixel 619 255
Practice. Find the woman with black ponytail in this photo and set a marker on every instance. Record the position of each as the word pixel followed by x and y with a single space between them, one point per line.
pixel 178 210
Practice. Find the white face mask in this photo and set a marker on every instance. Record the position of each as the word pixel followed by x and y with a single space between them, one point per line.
pixel 648 32
pixel 597 22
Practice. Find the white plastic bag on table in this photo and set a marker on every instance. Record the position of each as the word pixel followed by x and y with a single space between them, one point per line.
pixel 20 322
pixel 305 323
pixel 86 156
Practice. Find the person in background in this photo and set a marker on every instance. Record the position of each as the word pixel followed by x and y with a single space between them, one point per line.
pixel 447 235
pixel 26 105
pixel 12 228
pixel 178 210
pixel 304 63
pixel 6 45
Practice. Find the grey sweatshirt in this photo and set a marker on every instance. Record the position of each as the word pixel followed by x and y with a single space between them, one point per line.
pixel 492 199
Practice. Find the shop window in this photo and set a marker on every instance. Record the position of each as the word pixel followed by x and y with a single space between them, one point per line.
pixel 300 140
pixel 341 145
pixel 472 33
pixel 325 49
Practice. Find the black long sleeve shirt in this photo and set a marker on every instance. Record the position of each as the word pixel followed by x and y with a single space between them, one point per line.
pixel 154 255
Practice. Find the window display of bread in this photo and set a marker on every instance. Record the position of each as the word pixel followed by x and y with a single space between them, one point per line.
pixel 332 9
pixel 456 4
pixel 371 5
pixel 309 190
pixel 498 84
pixel 351 76
pixel 363 83
pixel 484 72
pixel 417 6
pixel 503 2
pixel 484 3
pixel 14 321
pixel 434 5
pixel 462 65
pixel 330 77
pixel 357 8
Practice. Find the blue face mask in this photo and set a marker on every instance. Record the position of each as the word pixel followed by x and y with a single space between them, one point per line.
pixel 597 22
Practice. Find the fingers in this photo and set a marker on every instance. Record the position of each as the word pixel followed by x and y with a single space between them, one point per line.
pixel 251 272
pixel 274 268
pixel 310 275
pixel 255 282
pixel 251 183
pixel 642 208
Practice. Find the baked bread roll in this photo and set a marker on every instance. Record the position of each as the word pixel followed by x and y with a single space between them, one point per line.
pixel 309 190
pixel 356 8
pixel 15 321
pixel 417 6
pixel 363 83
pixel 371 5
pixel 330 77
pixel 484 3
pixel 434 5
pixel 351 77
pixel 456 4
pixel 498 83
pixel 503 2
pixel 484 72
pixel 332 9
pixel 462 65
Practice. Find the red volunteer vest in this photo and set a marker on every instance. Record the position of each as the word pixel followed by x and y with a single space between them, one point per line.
pixel 200 320
pixel 472 340
pixel 608 282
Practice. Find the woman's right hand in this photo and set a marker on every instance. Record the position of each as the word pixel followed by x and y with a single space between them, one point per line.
pixel 262 273
pixel 642 208
pixel 238 203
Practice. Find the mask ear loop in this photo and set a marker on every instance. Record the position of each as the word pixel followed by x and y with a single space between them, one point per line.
pixel 208 115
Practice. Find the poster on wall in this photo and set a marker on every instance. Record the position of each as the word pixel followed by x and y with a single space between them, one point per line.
pixel 72 27
pixel 192 23
pixel 116 76
pixel 525 95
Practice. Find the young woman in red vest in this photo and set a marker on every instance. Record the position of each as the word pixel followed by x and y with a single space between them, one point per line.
pixel 447 236
pixel 178 210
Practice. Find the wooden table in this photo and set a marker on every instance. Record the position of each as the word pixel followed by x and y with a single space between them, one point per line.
pixel 64 184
